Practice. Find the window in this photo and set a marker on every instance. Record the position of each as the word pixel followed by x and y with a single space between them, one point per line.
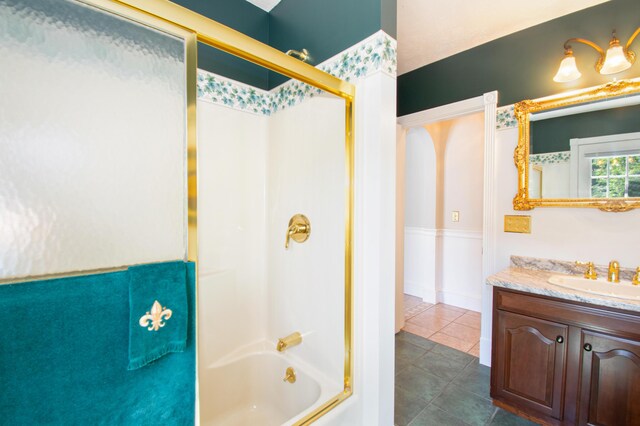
pixel 615 176
pixel 605 166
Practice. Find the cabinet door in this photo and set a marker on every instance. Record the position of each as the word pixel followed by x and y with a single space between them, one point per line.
pixel 610 385
pixel 530 356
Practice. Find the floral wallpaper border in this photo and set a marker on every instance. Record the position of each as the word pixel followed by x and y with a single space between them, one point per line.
pixel 505 118
pixel 373 54
pixel 223 91
pixel 560 157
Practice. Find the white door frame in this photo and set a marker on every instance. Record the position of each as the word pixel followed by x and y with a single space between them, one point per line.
pixel 486 103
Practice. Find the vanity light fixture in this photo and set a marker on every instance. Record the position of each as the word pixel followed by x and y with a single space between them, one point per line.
pixel 616 59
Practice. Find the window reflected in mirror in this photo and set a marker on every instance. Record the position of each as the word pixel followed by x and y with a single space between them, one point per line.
pixel 615 177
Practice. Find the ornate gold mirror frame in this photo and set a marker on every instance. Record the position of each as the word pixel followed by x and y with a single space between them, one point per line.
pixel 523 111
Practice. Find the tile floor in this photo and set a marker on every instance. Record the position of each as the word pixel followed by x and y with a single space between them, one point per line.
pixel 448 325
pixel 441 386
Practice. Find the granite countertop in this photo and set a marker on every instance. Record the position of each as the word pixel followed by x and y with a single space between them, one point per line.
pixel 531 275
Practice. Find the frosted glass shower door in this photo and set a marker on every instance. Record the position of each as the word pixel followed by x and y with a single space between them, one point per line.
pixel 93 111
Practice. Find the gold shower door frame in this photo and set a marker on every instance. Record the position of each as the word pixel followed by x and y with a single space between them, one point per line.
pixel 192 27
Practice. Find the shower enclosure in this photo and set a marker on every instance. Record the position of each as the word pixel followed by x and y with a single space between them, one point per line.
pixel 262 199
pixel 256 172
pixel 275 172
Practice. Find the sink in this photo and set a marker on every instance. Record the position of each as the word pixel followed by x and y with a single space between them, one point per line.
pixel 622 290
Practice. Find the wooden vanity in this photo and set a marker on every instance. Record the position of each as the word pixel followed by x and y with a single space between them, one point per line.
pixel 565 362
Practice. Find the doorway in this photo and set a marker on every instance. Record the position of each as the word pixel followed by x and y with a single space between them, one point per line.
pixel 443 231
pixel 445 241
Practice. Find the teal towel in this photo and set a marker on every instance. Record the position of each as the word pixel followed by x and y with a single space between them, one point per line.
pixel 64 349
pixel 157 300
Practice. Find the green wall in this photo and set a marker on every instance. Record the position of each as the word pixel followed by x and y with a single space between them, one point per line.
pixel 323 27
pixel 327 27
pixel 241 16
pixel 553 135
pixel 522 65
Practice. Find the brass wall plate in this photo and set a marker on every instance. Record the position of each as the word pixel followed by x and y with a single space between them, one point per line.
pixel 520 224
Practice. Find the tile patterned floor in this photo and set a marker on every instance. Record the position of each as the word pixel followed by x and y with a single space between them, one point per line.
pixel 440 386
pixel 448 325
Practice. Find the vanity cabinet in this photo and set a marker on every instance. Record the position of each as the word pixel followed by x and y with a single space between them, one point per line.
pixel 534 363
pixel 610 386
pixel 565 362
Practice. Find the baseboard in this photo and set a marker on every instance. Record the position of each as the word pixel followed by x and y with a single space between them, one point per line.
pixel 413 288
pixel 485 351
pixel 461 300
pixel 418 289
pixel 430 296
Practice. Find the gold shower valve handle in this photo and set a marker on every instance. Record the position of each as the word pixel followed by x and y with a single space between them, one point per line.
pixel 299 229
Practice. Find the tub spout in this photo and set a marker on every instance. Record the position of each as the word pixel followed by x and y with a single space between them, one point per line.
pixel 293 339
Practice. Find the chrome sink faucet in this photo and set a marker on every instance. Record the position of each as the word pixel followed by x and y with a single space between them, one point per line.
pixel 613 276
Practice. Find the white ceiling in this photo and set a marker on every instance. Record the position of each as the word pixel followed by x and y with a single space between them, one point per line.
pixel 265 5
pixel 430 30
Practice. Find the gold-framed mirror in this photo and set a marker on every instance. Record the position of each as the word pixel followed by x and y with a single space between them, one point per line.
pixel 580 149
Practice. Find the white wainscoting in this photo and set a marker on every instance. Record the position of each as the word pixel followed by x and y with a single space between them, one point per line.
pixel 462 281
pixel 420 248
pixel 444 265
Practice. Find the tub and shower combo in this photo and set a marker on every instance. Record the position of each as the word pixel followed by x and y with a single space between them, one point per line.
pixel 271 228
pixel 164 161
pixel 275 221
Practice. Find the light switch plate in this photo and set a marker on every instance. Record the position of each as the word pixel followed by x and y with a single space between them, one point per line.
pixel 520 224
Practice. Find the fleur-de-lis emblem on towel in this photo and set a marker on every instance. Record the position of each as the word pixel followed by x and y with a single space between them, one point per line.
pixel 156 317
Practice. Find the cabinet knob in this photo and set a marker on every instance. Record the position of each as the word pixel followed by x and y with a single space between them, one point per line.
pixel 587 347
pixel 559 339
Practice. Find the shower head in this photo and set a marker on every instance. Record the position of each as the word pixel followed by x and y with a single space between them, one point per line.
pixel 301 55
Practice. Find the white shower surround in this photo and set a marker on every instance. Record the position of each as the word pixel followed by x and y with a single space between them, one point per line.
pixel 256 172
pixel 373 246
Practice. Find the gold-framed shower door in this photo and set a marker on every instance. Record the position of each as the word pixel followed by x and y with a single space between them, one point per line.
pixel 193 27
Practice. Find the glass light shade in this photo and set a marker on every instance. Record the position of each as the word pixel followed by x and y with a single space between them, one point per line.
pixel 568 70
pixel 615 61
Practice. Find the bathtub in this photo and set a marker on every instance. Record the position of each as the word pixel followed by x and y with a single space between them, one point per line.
pixel 250 390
